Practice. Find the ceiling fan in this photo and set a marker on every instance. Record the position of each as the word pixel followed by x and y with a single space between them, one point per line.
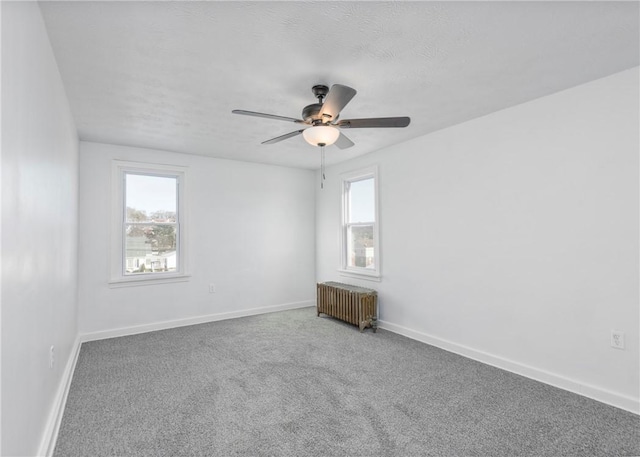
pixel 320 120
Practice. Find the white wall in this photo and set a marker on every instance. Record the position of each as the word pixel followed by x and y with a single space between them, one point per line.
pixel 251 229
pixel 513 238
pixel 39 228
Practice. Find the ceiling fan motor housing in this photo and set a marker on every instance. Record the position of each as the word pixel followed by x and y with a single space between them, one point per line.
pixel 311 113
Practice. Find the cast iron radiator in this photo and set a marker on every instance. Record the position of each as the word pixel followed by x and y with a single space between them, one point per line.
pixel 355 305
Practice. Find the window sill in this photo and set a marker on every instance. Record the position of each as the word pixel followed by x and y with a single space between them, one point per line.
pixel 368 276
pixel 148 280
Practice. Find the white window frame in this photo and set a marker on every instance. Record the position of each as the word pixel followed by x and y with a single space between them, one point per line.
pixel 117 257
pixel 372 274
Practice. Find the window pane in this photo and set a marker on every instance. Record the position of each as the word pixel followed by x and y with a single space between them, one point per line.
pixel 362 201
pixel 150 198
pixel 360 250
pixel 150 248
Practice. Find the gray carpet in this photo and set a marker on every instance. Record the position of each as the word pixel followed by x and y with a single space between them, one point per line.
pixel 293 384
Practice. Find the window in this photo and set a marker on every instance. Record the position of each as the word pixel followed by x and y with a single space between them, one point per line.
pixel 360 240
pixel 148 242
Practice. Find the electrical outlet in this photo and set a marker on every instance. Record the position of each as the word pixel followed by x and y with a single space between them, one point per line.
pixel 52 356
pixel 212 288
pixel 617 339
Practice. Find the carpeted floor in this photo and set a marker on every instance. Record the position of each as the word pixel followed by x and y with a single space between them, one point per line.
pixel 293 384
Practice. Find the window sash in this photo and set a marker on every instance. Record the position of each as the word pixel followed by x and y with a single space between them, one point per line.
pixel 175 176
pixel 126 258
pixel 126 224
pixel 174 269
pixel 367 263
pixel 151 223
pixel 360 256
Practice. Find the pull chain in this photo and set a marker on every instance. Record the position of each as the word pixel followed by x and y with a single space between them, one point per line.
pixel 322 167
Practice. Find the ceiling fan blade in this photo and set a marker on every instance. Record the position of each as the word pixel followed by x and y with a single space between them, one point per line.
pixel 283 137
pixel 377 122
pixel 343 142
pixel 336 100
pixel 268 116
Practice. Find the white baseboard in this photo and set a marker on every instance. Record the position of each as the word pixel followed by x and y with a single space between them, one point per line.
pixel 50 435
pixel 134 330
pixel 596 393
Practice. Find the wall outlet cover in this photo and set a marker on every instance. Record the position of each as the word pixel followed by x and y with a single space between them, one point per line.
pixel 617 339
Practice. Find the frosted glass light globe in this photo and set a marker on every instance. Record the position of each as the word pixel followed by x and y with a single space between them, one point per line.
pixel 319 135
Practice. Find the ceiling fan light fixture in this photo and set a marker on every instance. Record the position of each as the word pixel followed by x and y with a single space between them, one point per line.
pixel 321 135
pixel 320 120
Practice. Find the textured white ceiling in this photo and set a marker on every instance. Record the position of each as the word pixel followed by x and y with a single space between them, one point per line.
pixel 166 75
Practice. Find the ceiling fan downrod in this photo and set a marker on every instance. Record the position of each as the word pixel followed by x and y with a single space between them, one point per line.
pixel 320 91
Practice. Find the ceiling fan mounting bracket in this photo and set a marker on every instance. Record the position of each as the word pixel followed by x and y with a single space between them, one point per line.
pixel 320 91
